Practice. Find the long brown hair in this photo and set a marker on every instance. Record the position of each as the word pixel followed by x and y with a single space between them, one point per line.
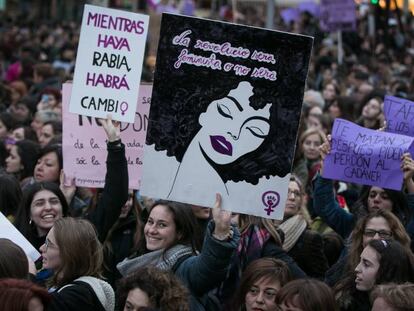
pixel 398 233
pixel 80 250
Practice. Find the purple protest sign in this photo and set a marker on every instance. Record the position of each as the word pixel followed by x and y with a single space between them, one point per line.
pixel 337 15
pixel 365 156
pixel 399 114
pixel 84 146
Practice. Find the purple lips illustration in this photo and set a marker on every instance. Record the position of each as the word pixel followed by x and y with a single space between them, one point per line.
pixel 221 145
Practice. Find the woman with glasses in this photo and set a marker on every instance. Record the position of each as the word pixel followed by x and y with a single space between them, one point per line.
pixel 300 242
pixel 259 284
pixel 74 254
pixel 381 261
pixel 377 225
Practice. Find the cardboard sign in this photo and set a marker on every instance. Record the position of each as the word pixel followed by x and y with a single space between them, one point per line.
pixel 337 15
pixel 109 63
pixel 84 143
pixel 8 231
pixel 399 114
pixel 365 156
pixel 224 114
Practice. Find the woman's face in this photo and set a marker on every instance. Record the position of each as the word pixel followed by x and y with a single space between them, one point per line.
pixel 372 109
pixel 13 161
pixel 50 252
pixel 36 125
pixel 47 168
pixel 310 147
pixel 366 271
pixel 315 111
pixel 375 229
pixel 3 130
pixel 378 199
pixel 18 134
pixel 45 209
pixel 334 110
pixel 329 92
pixel 290 305
pixel 261 295
pixel 136 300
pixel 160 231
pixel 231 128
pixel 46 135
pixel 293 201
pixel 128 205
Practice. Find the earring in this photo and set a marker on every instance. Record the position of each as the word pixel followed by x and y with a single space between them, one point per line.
pixel 30 221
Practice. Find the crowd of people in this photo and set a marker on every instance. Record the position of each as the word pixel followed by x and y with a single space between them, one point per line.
pixel 340 246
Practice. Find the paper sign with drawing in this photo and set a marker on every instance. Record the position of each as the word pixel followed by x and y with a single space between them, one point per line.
pixel 224 114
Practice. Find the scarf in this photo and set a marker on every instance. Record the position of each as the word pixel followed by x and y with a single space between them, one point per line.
pixel 164 260
pixel 293 228
pixel 250 247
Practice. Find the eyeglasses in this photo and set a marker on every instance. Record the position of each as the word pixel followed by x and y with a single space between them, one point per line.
pixel 268 294
pixel 49 244
pixel 384 234
pixel 296 193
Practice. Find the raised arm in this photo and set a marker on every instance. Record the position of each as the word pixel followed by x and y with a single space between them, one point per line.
pixel 324 202
pixel 206 271
pixel 115 191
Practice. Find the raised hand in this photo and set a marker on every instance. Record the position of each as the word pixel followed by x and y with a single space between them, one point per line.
pixel 324 150
pixel 407 166
pixel 67 190
pixel 112 128
pixel 222 220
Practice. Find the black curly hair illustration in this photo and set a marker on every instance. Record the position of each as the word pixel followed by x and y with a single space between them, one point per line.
pixel 183 94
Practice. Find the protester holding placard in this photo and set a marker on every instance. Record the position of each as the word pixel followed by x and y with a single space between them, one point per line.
pixel 169 244
pixel 371 199
pixel 44 202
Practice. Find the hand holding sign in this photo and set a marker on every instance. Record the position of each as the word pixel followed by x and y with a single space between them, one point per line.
pixel 324 150
pixel 112 128
pixel 222 220
pixel 407 166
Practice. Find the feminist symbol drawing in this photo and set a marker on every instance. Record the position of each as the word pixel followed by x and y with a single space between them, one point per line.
pixel 270 199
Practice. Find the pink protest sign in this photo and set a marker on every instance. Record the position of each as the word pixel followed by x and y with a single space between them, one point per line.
pixel 84 143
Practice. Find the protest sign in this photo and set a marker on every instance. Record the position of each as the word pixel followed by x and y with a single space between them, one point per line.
pixel 109 63
pixel 84 143
pixel 365 156
pixel 337 15
pixel 224 114
pixel 399 114
pixel 8 231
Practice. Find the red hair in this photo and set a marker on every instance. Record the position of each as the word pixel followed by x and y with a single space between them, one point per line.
pixel 15 294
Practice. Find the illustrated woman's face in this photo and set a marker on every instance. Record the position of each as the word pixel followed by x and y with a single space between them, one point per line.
pixel 367 269
pixel 231 128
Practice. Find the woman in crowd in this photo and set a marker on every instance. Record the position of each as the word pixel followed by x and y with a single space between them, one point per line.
pixel 371 114
pixel 300 242
pixel 22 159
pixel 44 202
pixel 308 160
pixel 260 282
pixel 306 295
pixel 10 196
pixel 153 288
pixel 23 295
pixel 379 224
pixel 6 124
pixel 381 262
pixel 74 254
pixel 49 130
pixel 393 297
pixel 169 244
pixel 371 199
pixel 13 261
pixel 341 107
pixel 330 92
pixel 21 132
pixel 49 164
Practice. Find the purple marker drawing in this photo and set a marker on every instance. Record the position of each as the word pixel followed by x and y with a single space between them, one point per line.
pixel 270 199
pixel 123 107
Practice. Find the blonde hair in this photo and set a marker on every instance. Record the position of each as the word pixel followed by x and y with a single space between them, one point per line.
pixel 80 250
